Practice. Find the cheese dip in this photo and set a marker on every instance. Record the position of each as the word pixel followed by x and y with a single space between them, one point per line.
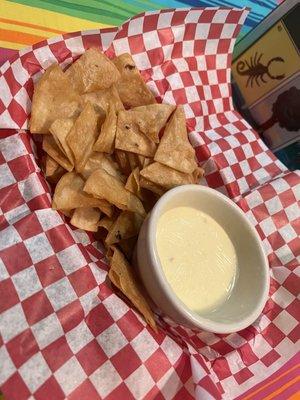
pixel 197 257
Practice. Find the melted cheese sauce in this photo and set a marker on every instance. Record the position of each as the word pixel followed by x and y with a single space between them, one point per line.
pixel 197 257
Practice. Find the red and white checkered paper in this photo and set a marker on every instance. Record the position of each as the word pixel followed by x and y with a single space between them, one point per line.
pixel 64 332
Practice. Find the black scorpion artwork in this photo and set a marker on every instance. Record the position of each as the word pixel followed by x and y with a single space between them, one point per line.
pixel 256 70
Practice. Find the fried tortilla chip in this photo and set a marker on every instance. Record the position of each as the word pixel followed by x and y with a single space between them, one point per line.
pixel 146 184
pixel 83 135
pixel 53 171
pixel 105 186
pixel 68 194
pixel 122 276
pixel 86 218
pixel 165 176
pixel 130 138
pixel 127 225
pixel 131 87
pixel 123 161
pixel 92 71
pixel 133 184
pixel 127 246
pixel 152 118
pixel 174 149
pixel 104 161
pixel 53 98
pixel 51 148
pixel 67 213
pixel 106 140
pixel 104 99
pixel 60 129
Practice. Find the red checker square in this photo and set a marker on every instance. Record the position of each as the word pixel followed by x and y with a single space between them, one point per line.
pixel 276 240
pixel 126 361
pixel 130 325
pixel 98 320
pixel 49 388
pixel 222 77
pixel 247 354
pixel 17 167
pixel 253 164
pixel 60 50
pixel 150 22
pixel 49 270
pixel 104 290
pixel 211 63
pixel 92 41
pixel 18 112
pixel 177 50
pixel 91 357
pixel 294 246
pixel 214 180
pixel 215 31
pixel 15 389
pixel 274 260
pixel 155 394
pixel 233 17
pixel 222 347
pixel 82 280
pixel 39 202
pixel 57 353
pixel 237 171
pixel 294 335
pixel 267 192
pixel 270 357
pixel 165 36
pixel 16 258
pixel 8 295
pixel 292 284
pixel 273 169
pixel 14 85
pixel 183 368
pixel 156 56
pixel 243 375
pixel 207 16
pixel 179 96
pixel 251 180
pixel 183 394
pixel 2 109
pixel 59 237
pixel 178 17
pixel 211 107
pixel 215 91
pixel 37 307
pixel 233 189
pixel 261 212
pixel 87 391
pixel 273 335
pixel 158 364
pixel 70 315
pixel 121 392
pixel 136 44
pixel 199 49
pixel 223 46
pixel 10 198
pixel 29 226
pixel 40 44
pixel 280 219
pixel 239 152
pixel 274 285
pixel 210 387
pixel 272 309
pixel 221 368
pixel 22 347
pixel 186 78
pixel 287 198
pixel 30 63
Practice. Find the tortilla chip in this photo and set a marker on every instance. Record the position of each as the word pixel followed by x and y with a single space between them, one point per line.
pixel 131 87
pixel 104 99
pixel 152 118
pixel 83 135
pixel 104 161
pixel 105 186
pixel 86 218
pixel 133 184
pixel 60 129
pixel 130 138
pixel 165 176
pixel 68 194
pixel 123 161
pixel 105 223
pixel 127 246
pixel 51 148
pixel 53 98
pixel 174 149
pixel 92 71
pixel 67 213
pixel 146 184
pixel 53 171
pixel 127 225
pixel 106 140
pixel 122 276
pixel 198 174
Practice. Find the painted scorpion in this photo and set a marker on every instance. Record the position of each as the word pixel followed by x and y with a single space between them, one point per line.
pixel 256 70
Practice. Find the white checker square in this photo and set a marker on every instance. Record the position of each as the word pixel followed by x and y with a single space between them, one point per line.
pixel 7 177
pixel 35 372
pixel 144 345
pixel 49 218
pixel 231 157
pixel 207 92
pixel 115 306
pixel 71 259
pixel 221 61
pixel 263 159
pixel 90 300
pixel 198 371
pixel 121 46
pixel 175 81
pixel 273 205
pixel 261 175
pixel 167 50
pixel 227 31
pixel 228 175
pixel 224 90
pixel 191 94
pixel 171 349
pixel 60 293
pixel 39 247
pixel 99 274
pixel 268 226
pixel 220 16
pixel 288 233
pixel 105 379
pixel 12 147
pixel 70 375
pixel 112 340
pixel 47 330
pixel 280 185
pixel 235 340
pixel 151 40
pixel 76 46
pixel 169 384
pixel 280 274
pixel 12 322
pixel 3 271
pixel 23 99
pixel 283 297
pixel 262 348
pixel 26 282
pixel 187 48
pixel 262 322
pixel 202 31
pixel 285 322
pixel 44 56
pixel 284 254
pixel 212 77
pixel 211 47
pixel 135 27
pixel 140 382
pixel 292 212
pixel 79 337
pixel 164 20
pixel 212 135
pixel 7 366
pixel 31 187
pixel 178 33
pixel 243 185
pixel 201 63
pixel 285 348
pixel 6 95
pixel 17 213
pixel 245 167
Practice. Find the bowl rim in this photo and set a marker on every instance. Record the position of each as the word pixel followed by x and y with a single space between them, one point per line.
pixel 194 318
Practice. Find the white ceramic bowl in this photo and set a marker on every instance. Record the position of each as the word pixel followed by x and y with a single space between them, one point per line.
pixel 251 288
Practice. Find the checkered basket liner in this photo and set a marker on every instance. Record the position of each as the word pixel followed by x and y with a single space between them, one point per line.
pixel 64 331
